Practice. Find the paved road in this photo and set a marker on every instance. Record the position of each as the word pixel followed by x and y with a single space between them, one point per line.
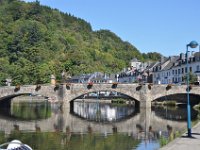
pixel 185 143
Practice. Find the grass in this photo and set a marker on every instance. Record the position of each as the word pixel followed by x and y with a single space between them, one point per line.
pixel 165 140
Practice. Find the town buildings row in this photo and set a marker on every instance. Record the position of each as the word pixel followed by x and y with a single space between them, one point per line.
pixel 166 71
pixel 174 69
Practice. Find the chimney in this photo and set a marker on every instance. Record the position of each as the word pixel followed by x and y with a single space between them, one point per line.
pixel 162 59
pixel 182 56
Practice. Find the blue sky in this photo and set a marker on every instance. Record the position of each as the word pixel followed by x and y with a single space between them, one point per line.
pixel 163 26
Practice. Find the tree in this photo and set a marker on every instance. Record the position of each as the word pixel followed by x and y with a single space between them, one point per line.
pixel 192 78
pixel 37 41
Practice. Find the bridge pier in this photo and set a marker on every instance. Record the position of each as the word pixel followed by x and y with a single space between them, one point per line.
pixel 145 108
pixel 61 92
pixel 145 97
pixel 145 119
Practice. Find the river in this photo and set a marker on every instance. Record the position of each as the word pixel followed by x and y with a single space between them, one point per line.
pixel 91 125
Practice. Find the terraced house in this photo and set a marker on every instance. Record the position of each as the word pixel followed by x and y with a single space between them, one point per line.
pixel 173 69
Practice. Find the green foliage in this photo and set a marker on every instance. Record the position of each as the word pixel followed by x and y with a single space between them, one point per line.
pixel 169 103
pixel 192 78
pixel 163 141
pixel 30 111
pixel 197 107
pixel 89 141
pixel 152 56
pixel 37 41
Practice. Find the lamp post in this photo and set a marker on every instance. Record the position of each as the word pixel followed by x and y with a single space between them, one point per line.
pixel 192 44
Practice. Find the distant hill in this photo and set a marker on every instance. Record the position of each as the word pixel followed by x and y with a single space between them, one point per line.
pixel 37 41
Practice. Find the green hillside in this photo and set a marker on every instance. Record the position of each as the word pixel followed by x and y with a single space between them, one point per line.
pixel 37 41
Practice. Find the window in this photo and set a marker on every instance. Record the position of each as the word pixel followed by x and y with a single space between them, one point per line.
pixel 182 70
pixel 198 68
pixel 179 71
pixel 185 69
pixel 190 69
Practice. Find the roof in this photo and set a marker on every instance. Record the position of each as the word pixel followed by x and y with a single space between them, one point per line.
pixel 134 60
pixel 151 65
pixel 171 60
pixel 168 66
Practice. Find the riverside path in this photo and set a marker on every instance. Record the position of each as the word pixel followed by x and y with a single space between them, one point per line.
pixel 184 142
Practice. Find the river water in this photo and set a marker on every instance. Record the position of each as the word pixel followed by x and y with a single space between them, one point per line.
pixel 91 125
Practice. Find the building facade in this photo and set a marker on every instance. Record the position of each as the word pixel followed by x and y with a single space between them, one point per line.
pixel 137 72
pixel 174 69
pixel 96 77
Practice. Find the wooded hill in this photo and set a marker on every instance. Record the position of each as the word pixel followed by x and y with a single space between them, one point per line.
pixel 37 41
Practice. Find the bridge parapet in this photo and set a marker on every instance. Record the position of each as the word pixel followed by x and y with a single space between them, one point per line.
pixel 44 90
pixel 77 90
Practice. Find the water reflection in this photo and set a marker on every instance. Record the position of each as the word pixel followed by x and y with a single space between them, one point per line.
pixel 27 110
pixel 103 112
pixel 174 113
pixel 61 130
pixel 34 111
pixel 63 141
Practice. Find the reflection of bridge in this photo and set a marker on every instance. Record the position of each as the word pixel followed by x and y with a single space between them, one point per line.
pixel 62 120
pixel 144 94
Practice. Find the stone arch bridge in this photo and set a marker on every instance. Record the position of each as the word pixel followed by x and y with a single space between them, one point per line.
pixel 144 94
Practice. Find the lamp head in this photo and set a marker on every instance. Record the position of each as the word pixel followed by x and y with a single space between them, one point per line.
pixel 193 44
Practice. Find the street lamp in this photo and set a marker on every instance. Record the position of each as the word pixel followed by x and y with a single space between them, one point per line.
pixel 192 44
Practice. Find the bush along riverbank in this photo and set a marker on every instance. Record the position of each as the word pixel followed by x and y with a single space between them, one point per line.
pixel 197 107
pixel 122 101
pixel 171 135
pixel 164 103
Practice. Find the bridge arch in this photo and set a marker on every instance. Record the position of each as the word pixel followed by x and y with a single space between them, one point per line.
pixel 76 90
pixel 82 95
pixel 180 98
pixel 161 91
pixel 45 90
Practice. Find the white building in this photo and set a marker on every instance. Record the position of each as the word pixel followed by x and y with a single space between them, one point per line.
pixel 96 77
pixel 135 64
pixel 138 71
pixel 174 69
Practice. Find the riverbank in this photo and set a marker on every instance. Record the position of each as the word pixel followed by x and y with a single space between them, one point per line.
pixel 184 142
pixel 94 100
pixel 29 99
